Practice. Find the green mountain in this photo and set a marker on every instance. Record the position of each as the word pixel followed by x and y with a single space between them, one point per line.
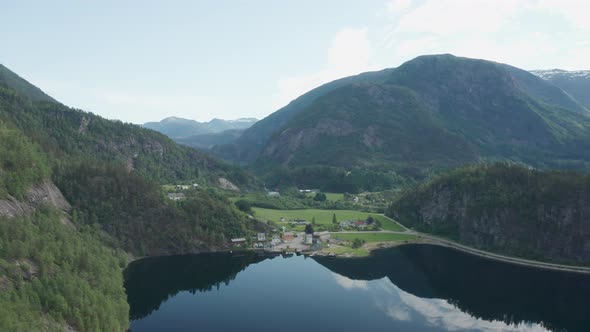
pixel 430 114
pixel 111 172
pixel 248 147
pixel 208 141
pixel 24 88
pixel 53 275
pixel 504 208
pixel 177 128
pixel 575 83
pixel 79 194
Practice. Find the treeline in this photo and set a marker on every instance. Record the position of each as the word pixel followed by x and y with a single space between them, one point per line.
pixel 53 276
pixel 332 179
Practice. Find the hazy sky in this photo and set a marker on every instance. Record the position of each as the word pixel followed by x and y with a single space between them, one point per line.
pixel 141 61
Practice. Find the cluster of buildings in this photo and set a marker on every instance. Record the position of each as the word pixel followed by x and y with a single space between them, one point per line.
pixel 178 196
pixel 307 191
pixel 354 224
pixel 261 241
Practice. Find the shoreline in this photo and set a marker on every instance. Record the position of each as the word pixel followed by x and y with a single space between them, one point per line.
pixel 503 258
pixel 421 238
pixel 427 239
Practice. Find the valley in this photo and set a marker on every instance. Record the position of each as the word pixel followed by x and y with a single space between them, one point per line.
pixel 465 154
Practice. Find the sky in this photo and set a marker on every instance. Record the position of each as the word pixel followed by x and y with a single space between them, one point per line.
pixel 140 61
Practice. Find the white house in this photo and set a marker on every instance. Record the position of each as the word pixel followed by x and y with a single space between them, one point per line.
pixel 176 196
pixel 324 236
pixel 308 238
pixel 261 237
pixel 276 239
pixel 239 240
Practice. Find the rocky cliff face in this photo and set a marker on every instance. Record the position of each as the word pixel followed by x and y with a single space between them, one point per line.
pixel 541 215
pixel 45 193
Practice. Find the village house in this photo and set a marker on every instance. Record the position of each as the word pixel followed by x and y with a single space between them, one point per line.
pixel 275 239
pixel 182 187
pixel 360 223
pixel 273 194
pixel 323 236
pixel 238 241
pixel 346 223
pixel 308 238
pixel 261 237
pixel 288 237
pixel 176 196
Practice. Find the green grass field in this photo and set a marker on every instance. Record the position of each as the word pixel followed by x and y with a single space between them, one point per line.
pixel 373 237
pixel 334 197
pixel 388 224
pixel 340 250
pixel 321 216
pixel 324 217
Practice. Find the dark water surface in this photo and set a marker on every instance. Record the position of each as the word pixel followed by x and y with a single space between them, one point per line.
pixel 408 288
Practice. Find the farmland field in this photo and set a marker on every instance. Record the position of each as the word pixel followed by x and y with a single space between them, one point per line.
pixel 324 217
pixel 373 237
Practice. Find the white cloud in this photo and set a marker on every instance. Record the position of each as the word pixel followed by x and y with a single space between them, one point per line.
pixel 514 32
pixel 349 54
pixel 398 5
pixel 441 313
pixel 349 283
pixel 575 11
pixel 403 306
pixel 444 18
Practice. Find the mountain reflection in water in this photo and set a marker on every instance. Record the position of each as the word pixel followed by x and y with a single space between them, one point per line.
pixel 414 287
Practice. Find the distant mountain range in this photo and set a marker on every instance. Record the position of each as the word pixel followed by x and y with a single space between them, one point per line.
pixel 431 113
pixel 209 140
pixel 175 127
pixel 575 83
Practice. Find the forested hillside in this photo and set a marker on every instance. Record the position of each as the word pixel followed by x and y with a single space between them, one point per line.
pixel 53 274
pixel 54 277
pixel 111 172
pixel 21 162
pixel 60 265
pixel 505 208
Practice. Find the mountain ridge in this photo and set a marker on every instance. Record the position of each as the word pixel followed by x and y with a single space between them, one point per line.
pixel 576 83
pixel 177 128
pixel 481 110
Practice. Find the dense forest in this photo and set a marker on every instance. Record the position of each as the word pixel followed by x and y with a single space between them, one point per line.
pixel 131 209
pixel 112 173
pixel 505 208
pixel 21 163
pixel 62 270
pixel 53 275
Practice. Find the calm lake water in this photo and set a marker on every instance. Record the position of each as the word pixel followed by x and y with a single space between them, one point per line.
pixel 408 288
